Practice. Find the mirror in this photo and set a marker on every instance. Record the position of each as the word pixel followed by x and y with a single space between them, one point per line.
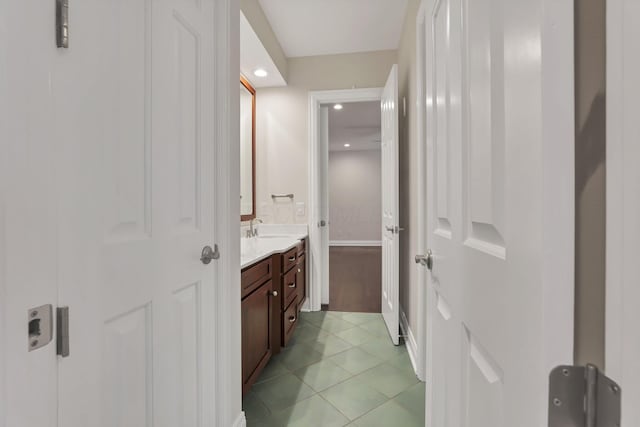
pixel 247 150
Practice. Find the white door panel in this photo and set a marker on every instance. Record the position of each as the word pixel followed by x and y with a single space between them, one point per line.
pixel 323 223
pixel 623 205
pixel 493 180
pixel 138 169
pixel 390 207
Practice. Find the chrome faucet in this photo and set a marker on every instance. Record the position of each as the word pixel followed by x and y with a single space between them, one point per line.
pixel 252 231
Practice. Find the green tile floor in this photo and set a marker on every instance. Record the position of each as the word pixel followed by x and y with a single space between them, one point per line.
pixel 339 369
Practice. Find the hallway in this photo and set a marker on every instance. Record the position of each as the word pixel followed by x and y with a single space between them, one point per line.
pixel 340 369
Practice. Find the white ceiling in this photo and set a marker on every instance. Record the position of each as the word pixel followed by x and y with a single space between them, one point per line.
pixel 325 27
pixel 253 55
pixel 358 124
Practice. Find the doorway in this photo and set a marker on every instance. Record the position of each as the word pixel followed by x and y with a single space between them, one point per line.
pixel 355 203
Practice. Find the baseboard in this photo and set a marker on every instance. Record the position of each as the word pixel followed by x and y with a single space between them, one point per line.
pixel 410 341
pixel 241 421
pixel 356 243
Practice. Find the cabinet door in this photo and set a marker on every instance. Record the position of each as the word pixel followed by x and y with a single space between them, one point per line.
pixel 301 279
pixel 256 334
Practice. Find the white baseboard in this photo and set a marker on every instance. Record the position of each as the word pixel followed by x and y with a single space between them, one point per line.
pixel 410 341
pixel 355 243
pixel 241 421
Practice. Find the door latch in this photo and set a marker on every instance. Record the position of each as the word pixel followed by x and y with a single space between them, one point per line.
pixel 62 331
pixel 582 396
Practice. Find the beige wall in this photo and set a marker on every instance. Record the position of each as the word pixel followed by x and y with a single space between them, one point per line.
pixel 282 135
pixel 255 15
pixel 590 182
pixel 355 195
pixel 409 167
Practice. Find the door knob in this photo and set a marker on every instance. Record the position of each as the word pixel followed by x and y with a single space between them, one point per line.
pixel 426 260
pixel 209 254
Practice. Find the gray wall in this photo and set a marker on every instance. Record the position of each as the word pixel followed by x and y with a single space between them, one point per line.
pixel 590 60
pixel 355 195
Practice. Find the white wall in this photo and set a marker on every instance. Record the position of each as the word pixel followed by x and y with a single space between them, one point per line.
pixel 260 24
pixel 355 196
pixel 282 136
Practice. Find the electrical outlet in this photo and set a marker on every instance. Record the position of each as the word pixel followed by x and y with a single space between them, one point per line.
pixel 300 209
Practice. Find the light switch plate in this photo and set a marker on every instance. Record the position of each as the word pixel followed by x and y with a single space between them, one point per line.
pixel 300 209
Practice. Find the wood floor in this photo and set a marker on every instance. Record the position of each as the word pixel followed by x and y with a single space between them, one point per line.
pixel 355 279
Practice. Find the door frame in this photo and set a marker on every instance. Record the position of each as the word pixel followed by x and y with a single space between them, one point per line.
pixel 316 99
pixel 3 282
pixel 615 176
pixel 421 159
pixel 228 383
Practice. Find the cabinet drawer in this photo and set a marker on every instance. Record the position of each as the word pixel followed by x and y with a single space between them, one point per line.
pixel 289 322
pixel 290 286
pixel 301 248
pixel 254 276
pixel 289 259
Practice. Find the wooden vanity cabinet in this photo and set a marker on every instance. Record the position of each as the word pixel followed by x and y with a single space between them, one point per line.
pixel 273 292
pixel 257 308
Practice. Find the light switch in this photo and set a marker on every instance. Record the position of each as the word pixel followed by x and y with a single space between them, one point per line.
pixel 300 209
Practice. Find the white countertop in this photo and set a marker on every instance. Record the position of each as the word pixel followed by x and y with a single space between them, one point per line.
pixel 258 248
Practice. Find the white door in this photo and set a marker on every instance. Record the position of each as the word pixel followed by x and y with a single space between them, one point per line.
pixel 499 135
pixel 390 207
pixel 623 205
pixel 319 228
pixel 136 128
pixel 28 211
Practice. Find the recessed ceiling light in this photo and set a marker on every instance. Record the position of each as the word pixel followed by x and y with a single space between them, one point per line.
pixel 347 145
pixel 260 72
pixel 337 107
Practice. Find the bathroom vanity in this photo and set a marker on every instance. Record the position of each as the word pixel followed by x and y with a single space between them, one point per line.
pixel 274 288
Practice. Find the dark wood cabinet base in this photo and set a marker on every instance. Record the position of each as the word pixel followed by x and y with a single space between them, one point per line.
pixel 273 292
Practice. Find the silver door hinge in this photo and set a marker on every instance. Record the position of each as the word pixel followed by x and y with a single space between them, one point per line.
pixel 582 396
pixel 62 23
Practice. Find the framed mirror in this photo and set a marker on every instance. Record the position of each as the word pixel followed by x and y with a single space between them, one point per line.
pixel 247 150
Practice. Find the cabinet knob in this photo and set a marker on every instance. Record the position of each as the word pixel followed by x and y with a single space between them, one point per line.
pixel 291 259
pixel 274 293
pixel 292 285
pixel 292 319
pixel 299 271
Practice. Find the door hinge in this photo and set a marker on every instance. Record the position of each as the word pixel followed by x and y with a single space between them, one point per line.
pixel 62 331
pixel 582 396
pixel 62 23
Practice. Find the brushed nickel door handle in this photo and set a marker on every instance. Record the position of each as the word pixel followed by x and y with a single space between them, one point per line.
pixel 426 260
pixel 209 254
